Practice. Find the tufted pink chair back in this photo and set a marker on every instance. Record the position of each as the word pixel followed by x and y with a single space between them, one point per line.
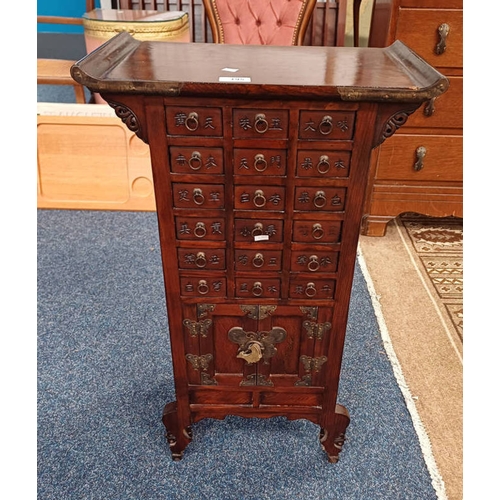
pixel 259 22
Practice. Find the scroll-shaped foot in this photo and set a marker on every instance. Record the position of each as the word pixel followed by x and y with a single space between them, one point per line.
pixel 178 436
pixel 332 437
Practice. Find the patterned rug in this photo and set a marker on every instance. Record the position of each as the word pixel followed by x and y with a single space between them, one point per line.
pixel 438 247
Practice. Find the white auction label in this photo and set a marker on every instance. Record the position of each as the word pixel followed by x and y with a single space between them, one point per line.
pixel 261 237
pixel 239 79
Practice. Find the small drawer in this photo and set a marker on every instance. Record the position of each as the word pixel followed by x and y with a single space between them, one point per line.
pixel 325 199
pixel 198 195
pixel 188 160
pixel 214 397
pixel 195 121
pixel 326 125
pixel 316 231
pixel 257 260
pixel 202 286
pixel 323 163
pixel 308 288
pixel 260 162
pixel 206 258
pixel 263 123
pixel 252 230
pixel 197 229
pixel 255 288
pixel 259 198
pixel 314 262
pixel 291 399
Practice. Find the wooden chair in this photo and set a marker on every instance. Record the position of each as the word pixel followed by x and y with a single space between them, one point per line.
pixel 259 22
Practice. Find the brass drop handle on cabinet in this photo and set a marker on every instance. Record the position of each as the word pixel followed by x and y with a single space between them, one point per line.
pixel 419 164
pixel 258 229
pixel 252 352
pixel 311 289
pixel 192 122
pixel 201 259
pixel 200 230
pixel 318 231
pixel 443 32
pixel 257 289
pixel 258 260
pixel 198 197
pixel 319 199
pixel 261 126
pixel 203 288
pixel 323 164
pixel 259 200
pixel 195 161
pixel 260 163
pixel 313 264
pixel 326 125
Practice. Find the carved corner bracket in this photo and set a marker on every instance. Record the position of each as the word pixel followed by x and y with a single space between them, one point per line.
pixel 391 120
pixel 129 118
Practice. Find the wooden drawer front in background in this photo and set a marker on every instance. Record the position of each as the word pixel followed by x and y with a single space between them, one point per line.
pixel 262 287
pixel 326 125
pixel 260 162
pixel 314 262
pixel 189 160
pixel 259 198
pixel 447 109
pixel 206 258
pixel 251 230
pixel 192 122
pixel 198 195
pixel 323 163
pixel 326 199
pixel 262 124
pixel 197 229
pixel 317 231
pixel 440 161
pixel 423 30
pixel 309 288
pixel 197 286
pixel 257 260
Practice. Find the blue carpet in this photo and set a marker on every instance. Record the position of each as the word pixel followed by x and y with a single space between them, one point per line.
pixel 104 375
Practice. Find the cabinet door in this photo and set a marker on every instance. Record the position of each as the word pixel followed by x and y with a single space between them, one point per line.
pixel 250 345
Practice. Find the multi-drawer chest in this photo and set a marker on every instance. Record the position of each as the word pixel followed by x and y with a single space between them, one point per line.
pixel 260 160
pixel 420 169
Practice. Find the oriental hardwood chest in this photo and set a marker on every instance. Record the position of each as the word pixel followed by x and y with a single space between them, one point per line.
pixel 260 160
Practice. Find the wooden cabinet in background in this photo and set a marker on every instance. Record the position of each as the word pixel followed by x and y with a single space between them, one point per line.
pixel 420 169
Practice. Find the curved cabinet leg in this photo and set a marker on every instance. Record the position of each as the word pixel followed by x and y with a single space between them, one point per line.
pixel 332 437
pixel 177 434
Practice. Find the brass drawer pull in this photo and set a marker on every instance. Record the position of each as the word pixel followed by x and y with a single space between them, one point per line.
pixel 259 200
pixel 192 122
pixel 198 197
pixel 326 125
pixel 323 165
pixel 313 264
pixel 443 32
pixel 419 164
pixel 261 126
pixel 319 199
pixel 195 162
pixel 311 289
pixel 260 163
pixel 318 231
pixel 258 260
pixel 257 289
pixel 203 287
pixel 200 230
pixel 201 260
pixel 258 229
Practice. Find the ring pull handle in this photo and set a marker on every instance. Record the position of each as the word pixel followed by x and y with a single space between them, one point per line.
pixel 260 163
pixel 257 289
pixel 258 260
pixel 313 264
pixel 195 162
pixel 323 165
pixel 259 200
pixel 192 121
pixel 319 199
pixel 203 287
pixel 326 125
pixel 318 231
pixel 261 126
pixel 443 32
pixel 311 289
pixel 198 197
pixel 200 230
pixel 419 164
pixel 201 260
pixel 258 229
